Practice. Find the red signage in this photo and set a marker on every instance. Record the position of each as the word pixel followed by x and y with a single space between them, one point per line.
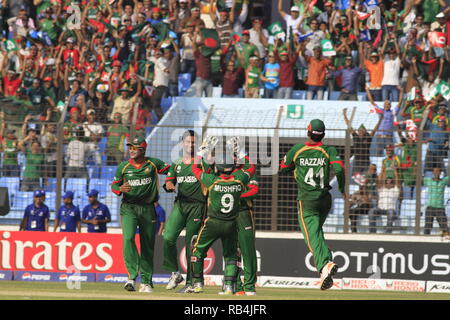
pixel 58 251
pixel 208 262
pixel 437 39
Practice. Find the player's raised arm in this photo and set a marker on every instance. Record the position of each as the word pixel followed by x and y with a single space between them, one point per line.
pixel 252 190
pixel 117 183
pixel 338 167
pixel 287 164
pixel 206 178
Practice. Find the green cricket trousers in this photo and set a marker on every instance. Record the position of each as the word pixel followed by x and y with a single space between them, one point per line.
pixel 311 216
pixel 184 214
pixel 246 243
pixel 212 230
pixel 134 215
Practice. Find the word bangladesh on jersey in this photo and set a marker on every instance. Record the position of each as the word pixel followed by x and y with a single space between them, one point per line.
pixel 139 182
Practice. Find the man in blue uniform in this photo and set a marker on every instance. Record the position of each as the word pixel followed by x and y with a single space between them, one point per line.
pixel 36 215
pixel 68 216
pixel 96 214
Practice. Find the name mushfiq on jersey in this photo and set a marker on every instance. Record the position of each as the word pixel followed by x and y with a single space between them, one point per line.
pixel 139 182
pixel 312 162
pixel 235 188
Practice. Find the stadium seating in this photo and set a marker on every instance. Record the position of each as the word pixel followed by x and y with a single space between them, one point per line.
pixel 51 187
pixel 338 206
pixel 108 173
pixel 22 200
pixel 101 185
pixel 78 186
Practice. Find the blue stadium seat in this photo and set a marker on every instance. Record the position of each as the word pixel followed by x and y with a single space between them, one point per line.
pixel 338 206
pixel 50 200
pixel 94 171
pixel 12 183
pixel 184 83
pixel 101 185
pixel 78 186
pixel 108 173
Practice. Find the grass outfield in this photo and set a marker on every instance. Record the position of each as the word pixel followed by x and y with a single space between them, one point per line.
pixel 18 290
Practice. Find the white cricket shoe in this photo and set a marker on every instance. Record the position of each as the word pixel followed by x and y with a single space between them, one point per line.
pixel 250 293
pixel 130 285
pixel 145 288
pixel 326 276
pixel 197 287
pixel 227 290
pixel 175 279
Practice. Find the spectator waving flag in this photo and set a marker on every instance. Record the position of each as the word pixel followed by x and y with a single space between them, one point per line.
pixel 444 90
pixel 10 45
pixel 327 48
pixel 276 29
pixel 303 37
pixel 362 15
pixel 365 35
pixel 211 42
pixel 437 39
pixel 311 5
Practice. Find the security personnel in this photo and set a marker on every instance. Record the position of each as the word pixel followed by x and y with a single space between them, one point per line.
pixel 68 216
pixel 96 214
pixel 36 215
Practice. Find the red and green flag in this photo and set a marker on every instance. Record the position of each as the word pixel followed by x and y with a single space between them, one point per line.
pixel 211 42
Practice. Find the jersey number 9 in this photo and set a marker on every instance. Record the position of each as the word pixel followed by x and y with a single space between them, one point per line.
pixel 227 203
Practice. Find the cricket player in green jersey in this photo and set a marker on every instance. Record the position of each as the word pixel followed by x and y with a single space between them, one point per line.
pixel 245 221
pixel 224 195
pixel 311 164
pixel 188 211
pixel 137 181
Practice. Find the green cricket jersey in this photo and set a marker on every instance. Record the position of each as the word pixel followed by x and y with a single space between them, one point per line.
pixel 311 165
pixel 252 186
pixel 143 180
pixel 390 164
pixel 189 188
pixel 10 152
pixel 224 193
pixel 436 191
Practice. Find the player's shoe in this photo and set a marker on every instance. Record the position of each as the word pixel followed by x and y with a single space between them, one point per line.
pixel 175 279
pixel 197 287
pixel 227 290
pixel 250 293
pixel 326 276
pixel 130 285
pixel 185 289
pixel 145 288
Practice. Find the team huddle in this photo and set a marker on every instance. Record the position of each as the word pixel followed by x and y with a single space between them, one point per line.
pixel 214 200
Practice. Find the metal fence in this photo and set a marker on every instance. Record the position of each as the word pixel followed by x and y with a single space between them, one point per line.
pixel 387 176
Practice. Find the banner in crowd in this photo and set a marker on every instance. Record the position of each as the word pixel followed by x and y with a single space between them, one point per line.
pixel 437 39
pixel 276 29
pixel 327 48
pixel 47 252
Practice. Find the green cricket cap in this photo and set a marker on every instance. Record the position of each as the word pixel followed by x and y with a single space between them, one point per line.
pixel 138 142
pixel 316 126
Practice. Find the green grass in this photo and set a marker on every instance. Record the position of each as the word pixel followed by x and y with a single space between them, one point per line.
pixel 17 290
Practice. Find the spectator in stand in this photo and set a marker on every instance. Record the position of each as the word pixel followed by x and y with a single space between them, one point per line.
pixel 162 63
pixel 49 142
pixel 292 20
pixel 93 133
pixel 374 66
pixel 436 201
pixel 223 23
pixel 123 104
pixel 317 69
pixel 359 204
pixel 203 69
pixel 385 133
pixel 9 148
pixel 391 164
pixel 247 48
pixel 408 165
pixel 96 214
pixel 230 86
pixel 350 77
pixel 116 136
pixel 36 215
pixel 326 15
pixel 34 160
pixel 258 36
pixel 390 85
pixel 68 216
pixel 76 156
pixel 270 76
pixel 388 194
pixel 438 146
pixel 286 60
pixel 361 144
pixel 252 76
pixel 187 58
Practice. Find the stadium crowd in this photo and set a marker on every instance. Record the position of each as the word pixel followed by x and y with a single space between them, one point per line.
pixel 110 64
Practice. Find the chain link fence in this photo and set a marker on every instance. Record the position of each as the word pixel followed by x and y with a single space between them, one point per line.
pixel 396 181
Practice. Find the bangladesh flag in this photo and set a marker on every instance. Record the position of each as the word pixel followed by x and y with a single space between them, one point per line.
pixel 162 29
pixel 10 45
pixel 211 42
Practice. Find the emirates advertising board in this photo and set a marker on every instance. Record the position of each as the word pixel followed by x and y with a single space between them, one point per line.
pixel 98 257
